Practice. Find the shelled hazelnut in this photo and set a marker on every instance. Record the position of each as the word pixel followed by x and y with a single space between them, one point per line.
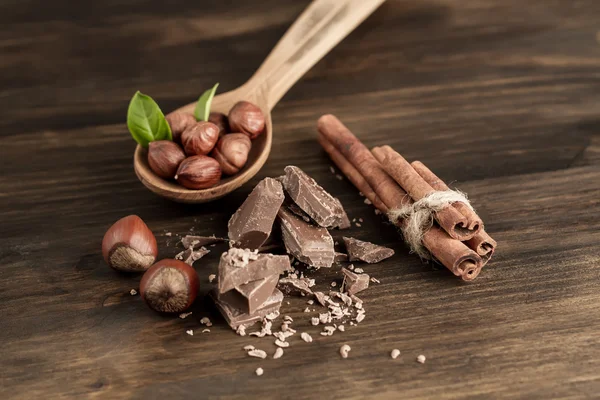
pixel 179 122
pixel 198 172
pixel 232 152
pixel 200 138
pixel 247 118
pixel 164 157
pixel 221 121
pixel 129 245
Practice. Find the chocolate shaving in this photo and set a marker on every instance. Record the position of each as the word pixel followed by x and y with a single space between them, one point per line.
pixel 321 207
pixel 295 286
pixel 232 273
pixel 354 283
pixel 251 224
pixel 238 318
pixel 321 298
pixel 340 257
pixel 309 244
pixel 189 256
pixel 371 253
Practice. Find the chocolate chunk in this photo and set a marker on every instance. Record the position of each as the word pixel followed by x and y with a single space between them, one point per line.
pixel 236 317
pixel 354 283
pixel 309 244
pixel 251 224
pixel 323 208
pixel 238 267
pixel 365 251
pixel 340 257
pixel 198 241
pixel 294 286
pixel 256 293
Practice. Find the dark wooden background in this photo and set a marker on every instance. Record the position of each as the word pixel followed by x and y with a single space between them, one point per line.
pixel 501 97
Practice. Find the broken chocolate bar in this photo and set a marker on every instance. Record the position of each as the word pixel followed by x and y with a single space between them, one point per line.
pixel 354 283
pixel 238 267
pixel 323 208
pixel 251 224
pixel 199 241
pixel 257 292
pixel 236 317
pixel 309 244
pixel 294 286
pixel 371 253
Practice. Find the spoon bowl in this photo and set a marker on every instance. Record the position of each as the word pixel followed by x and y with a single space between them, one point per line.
pixel 317 30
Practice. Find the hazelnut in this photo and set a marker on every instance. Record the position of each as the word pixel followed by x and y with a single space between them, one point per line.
pixel 179 122
pixel 169 286
pixel 200 138
pixel 198 172
pixel 232 151
pixel 128 245
pixel 221 121
pixel 247 118
pixel 164 158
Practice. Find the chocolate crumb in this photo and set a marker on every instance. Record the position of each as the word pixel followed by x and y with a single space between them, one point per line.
pixel 257 353
pixel 287 318
pixel 206 330
pixel 361 194
pixel 306 337
pixel 341 328
pixel 360 220
pixel 421 359
pixel 168 234
pixel 211 278
pixel 358 225
pixel 377 212
pixel 375 280
pixel 206 321
pixel 344 350
pixel 395 353
pixel 333 284
pixel 185 315
pixel 359 270
pixel 190 332
pixel 368 202
pixel 307 309
pixel 278 353
pixel 259 371
pixel 310 302
pixel 314 321
pixel 281 343
pixel 332 169
pixel 133 292
pixel 248 347
pixel 360 317
pixel 241 330
pixel 339 177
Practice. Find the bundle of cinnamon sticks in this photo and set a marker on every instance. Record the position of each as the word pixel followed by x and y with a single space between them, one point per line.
pixel 457 239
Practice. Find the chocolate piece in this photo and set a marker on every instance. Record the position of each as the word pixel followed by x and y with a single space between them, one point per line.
pixel 189 256
pixel 293 207
pixel 198 241
pixel 320 296
pixel 251 224
pixel 236 317
pixel 238 267
pixel 294 286
pixel 340 257
pixel 309 244
pixel 371 253
pixel 257 292
pixel 323 208
pixel 354 283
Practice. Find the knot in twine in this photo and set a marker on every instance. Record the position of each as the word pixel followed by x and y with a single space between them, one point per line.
pixel 418 217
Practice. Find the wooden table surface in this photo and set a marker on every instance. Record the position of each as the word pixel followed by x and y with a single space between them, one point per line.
pixel 500 97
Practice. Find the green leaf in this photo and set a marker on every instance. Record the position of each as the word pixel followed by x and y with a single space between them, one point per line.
pixel 145 120
pixel 203 106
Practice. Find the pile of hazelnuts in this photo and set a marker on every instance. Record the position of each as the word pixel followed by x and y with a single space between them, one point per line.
pixel 202 151
pixel 168 286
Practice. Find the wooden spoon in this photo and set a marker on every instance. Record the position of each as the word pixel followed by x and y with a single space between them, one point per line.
pixel 319 28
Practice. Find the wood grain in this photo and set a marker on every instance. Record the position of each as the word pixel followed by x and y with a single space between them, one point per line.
pixel 498 97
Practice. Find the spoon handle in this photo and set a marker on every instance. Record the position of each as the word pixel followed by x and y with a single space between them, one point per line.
pixel 317 30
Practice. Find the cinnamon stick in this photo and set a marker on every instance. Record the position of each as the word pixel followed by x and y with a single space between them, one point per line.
pixel 352 174
pixel 458 226
pixel 355 160
pixel 481 243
